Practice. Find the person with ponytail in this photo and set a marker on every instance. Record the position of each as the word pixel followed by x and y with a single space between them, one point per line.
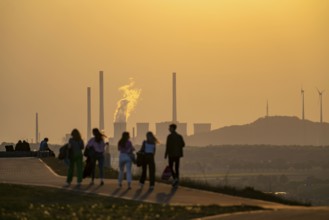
pixel 126 148
pixel 96 146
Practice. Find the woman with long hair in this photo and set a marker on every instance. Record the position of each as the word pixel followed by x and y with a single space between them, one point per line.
pixel 126 148
pixel 148 148
pixel 96 146
pixel 75 148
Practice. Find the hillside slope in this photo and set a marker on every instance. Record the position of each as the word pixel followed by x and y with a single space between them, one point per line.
pixel 275 130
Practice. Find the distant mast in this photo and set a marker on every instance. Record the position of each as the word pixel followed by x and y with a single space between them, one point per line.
pixel 267 109
pixel 303 107
pixel 36 128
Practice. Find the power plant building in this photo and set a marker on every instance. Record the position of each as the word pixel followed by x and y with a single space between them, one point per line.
pixel 162 130
pixel 182 129
pixel 119 128
pixel 142 129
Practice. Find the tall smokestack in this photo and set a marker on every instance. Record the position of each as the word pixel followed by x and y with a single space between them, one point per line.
pixel 174 106
pixel 101 102
pixel 88 113
pixel 36 128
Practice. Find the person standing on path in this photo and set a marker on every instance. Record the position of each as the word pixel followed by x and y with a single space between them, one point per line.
pixel 75 148
pixel 96 146
pixel 148 148
pixel 126 149
pixel 174 151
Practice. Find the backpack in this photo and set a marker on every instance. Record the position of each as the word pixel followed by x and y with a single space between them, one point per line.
pixel 166 174
pixel 140 158
pixel 63 152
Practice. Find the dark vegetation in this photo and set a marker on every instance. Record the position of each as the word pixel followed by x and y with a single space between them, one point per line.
pixel 247 192
pixel 49 203
pixel 299 171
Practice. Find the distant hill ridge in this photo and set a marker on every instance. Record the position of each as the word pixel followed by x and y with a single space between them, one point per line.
pixel 273 130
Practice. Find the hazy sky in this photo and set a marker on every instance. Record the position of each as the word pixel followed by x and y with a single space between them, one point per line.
pixel 230 56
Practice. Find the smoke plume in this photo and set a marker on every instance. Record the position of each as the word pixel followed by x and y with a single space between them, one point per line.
pixel 128 102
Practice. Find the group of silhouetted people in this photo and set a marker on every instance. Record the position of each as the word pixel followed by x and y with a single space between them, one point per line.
pixel 95 149
pixel 22 146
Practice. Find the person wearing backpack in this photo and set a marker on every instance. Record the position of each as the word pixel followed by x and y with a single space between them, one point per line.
pixel 148 148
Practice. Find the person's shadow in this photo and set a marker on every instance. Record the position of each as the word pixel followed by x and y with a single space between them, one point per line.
pixel 115 192
pixel 124 192
pixel 137 193
pixel 146 194
pixel 96 188
pixel 165 197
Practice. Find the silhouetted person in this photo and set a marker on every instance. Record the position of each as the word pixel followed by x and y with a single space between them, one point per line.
pixel 26 146
pixel 174 151
pixel 44 149
pixel 9 148
pixel 148 148
pixel 97 147
pixel 19 146
pixel 44 145
pixel 75 148
pixel 126 148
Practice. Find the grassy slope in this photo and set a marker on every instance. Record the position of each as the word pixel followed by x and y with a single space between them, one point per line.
pixel 60 168
pixel 30 202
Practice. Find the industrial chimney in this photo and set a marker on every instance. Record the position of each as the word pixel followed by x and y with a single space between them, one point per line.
pixel 36 128
pixel 88 113
pixel 101 102
pixel 174 111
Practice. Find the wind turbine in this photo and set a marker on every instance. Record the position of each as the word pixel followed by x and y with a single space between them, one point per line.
pixel 303 107
pixel 320 96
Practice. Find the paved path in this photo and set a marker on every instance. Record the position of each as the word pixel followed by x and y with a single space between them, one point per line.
pixel 32 171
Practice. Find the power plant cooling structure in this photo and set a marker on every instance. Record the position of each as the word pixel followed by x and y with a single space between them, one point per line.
pixel 119 128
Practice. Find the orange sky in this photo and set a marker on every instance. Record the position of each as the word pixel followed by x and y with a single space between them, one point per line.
pixel 230 56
